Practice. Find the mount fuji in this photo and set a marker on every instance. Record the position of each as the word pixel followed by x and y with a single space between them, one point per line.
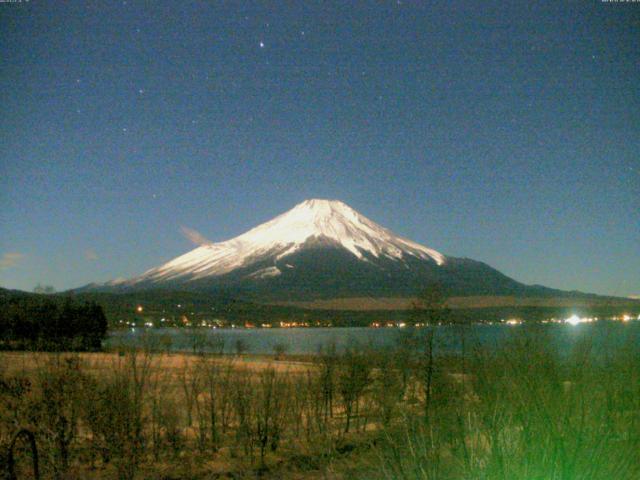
pixel 322 249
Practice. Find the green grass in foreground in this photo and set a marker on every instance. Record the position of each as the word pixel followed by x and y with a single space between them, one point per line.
pixel 523 412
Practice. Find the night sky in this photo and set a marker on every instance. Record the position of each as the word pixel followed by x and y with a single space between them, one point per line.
pixel 507 132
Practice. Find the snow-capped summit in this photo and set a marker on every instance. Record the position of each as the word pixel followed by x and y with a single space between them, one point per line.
pixel 334 221
pixel 320 249
pixel 311 222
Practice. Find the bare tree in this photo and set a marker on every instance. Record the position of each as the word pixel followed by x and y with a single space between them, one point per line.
pixel 213 378
pixel 430 309
pixel 59 408
pixel 190 383
pixel 327 360
pixel 279 350
pixel 240 346
pixel 354 370
pixel 271 404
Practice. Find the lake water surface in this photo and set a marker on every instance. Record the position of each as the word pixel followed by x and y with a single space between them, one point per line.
pixel 603 336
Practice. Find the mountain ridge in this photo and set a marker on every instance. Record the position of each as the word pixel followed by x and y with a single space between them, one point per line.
pixel 323 249
pixel 328 221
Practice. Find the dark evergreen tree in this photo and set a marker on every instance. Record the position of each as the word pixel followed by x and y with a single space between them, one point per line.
pixel 41 323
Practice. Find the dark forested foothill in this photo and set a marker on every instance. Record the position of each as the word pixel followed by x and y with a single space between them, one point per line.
pixel 35 322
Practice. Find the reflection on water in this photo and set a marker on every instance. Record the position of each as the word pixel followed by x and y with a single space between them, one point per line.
pixel 602 336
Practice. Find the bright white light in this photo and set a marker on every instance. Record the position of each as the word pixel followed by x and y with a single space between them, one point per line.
pixel 573 320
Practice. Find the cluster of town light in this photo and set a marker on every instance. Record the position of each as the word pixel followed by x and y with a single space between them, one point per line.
pixel 575 320
pixel 395 324
pixel 572 320
pixel 293 324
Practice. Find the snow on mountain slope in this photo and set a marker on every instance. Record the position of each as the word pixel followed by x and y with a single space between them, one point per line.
pixel 324 220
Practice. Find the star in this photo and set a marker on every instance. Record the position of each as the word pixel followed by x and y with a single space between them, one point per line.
pixel 261 44
pixel 141 91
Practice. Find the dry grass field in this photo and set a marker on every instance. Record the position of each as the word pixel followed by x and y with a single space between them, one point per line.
pixel 521 411
pixel 97 363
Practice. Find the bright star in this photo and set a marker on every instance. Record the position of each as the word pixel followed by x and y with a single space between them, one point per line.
pixel 261 44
